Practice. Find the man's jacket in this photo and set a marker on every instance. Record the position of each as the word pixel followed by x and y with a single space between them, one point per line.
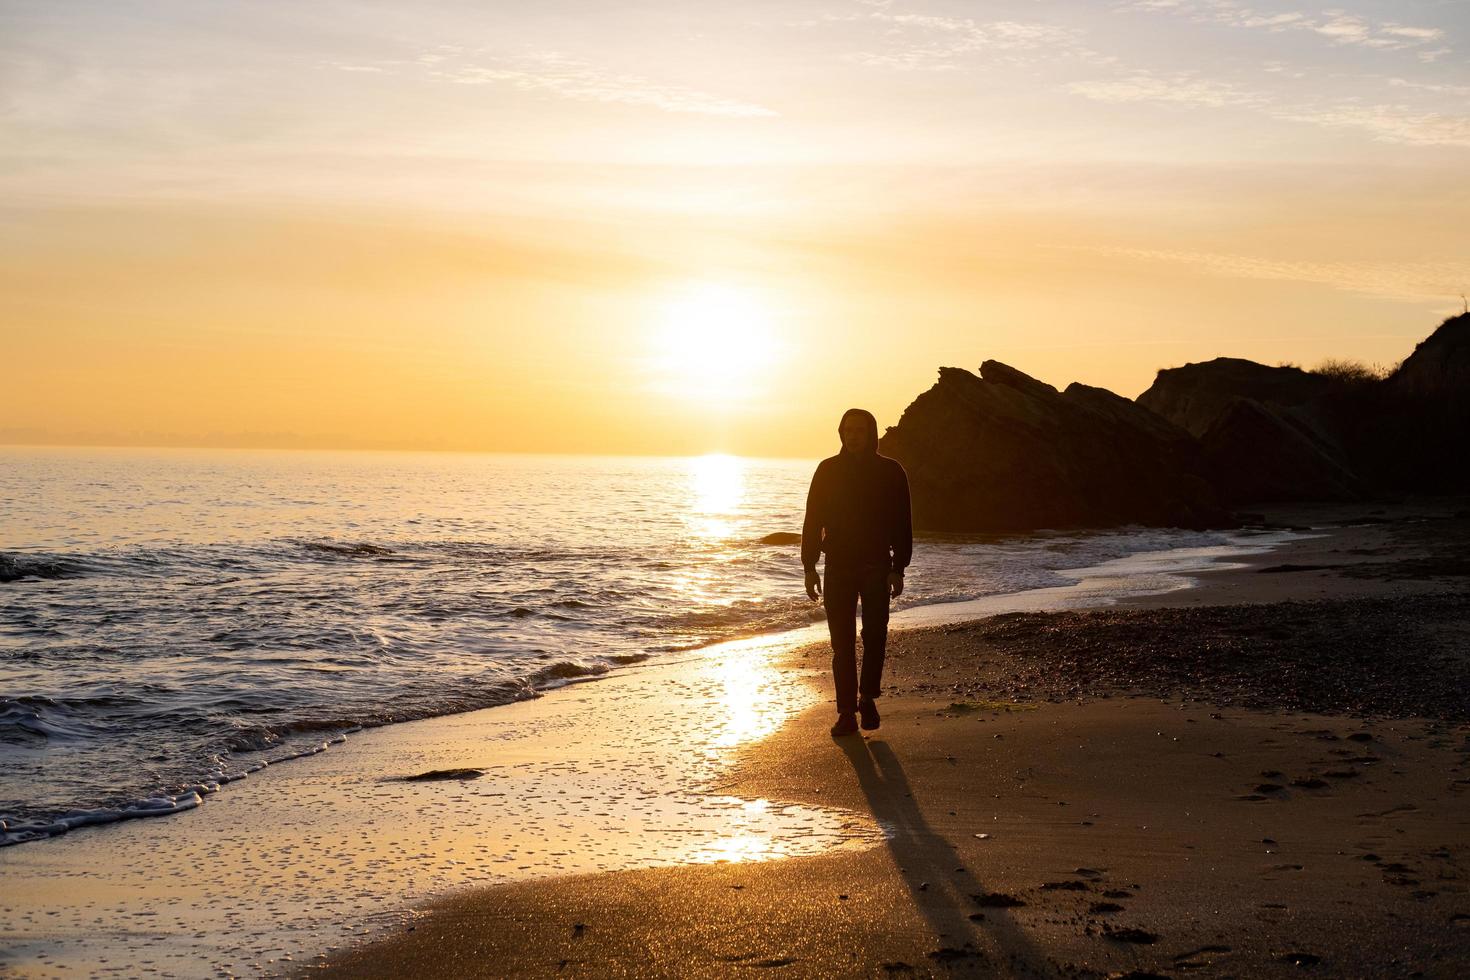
pixel 857 511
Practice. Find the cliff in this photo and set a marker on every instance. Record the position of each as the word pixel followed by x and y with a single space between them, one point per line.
pixel 1004 452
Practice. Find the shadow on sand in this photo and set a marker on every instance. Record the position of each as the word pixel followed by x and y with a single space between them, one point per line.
pixel 973 935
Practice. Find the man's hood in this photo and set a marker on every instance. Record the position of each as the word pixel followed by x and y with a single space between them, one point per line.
pixel 868 419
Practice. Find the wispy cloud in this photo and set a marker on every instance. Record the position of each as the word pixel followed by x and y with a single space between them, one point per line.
pixel 1436 279
pixel 909 41
pixel 1185 87
pixel 1336 25
pixel 1458 90
pixel 557 75
pixel 1387 122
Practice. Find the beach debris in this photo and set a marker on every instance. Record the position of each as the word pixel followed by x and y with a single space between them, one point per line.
pixel 775 962
pixel 982 837
pixel 435 775
pixel 996 900
pixel 1069 886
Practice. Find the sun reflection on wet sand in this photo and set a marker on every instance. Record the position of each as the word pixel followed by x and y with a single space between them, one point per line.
pixel 750 704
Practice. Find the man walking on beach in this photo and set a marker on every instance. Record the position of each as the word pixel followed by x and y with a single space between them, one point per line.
pixel 857 511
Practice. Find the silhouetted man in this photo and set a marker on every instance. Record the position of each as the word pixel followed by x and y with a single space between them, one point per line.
pixel 857 511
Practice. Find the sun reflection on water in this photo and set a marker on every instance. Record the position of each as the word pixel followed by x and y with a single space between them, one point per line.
pixel 717 489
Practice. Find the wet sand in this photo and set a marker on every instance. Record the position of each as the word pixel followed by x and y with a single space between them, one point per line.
pixel 1210 782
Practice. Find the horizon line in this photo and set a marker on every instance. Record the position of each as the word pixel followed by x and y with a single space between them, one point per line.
pixel 385 449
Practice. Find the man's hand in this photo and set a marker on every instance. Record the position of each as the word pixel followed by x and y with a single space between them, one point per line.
pixel 813 585
pixel 895 584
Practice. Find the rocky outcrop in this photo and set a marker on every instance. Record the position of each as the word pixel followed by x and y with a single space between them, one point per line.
pixel 1410 430
pixel 1281 433
pixel 1006 452
pixel 1438 372
pixel 1195 396
pixel 1253 453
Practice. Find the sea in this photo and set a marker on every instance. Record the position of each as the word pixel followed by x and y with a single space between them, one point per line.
pixel 172 620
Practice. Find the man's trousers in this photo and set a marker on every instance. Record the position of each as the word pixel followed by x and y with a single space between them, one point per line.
pixel 844 586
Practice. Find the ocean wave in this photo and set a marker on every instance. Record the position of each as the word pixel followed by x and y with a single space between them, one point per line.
pixel 569 670
pixel 360 550
pixel 34 717
pixel 14 567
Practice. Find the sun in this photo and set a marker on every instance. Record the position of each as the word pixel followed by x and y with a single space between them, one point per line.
pixel 713 342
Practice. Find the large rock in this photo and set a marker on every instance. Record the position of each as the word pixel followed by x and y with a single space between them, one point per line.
pixel 1254 453
pixel 1438 372
pixel 1286 434
pixel 1411 432
pixel 1266 433
pixel 1006 452
pixel 1194 396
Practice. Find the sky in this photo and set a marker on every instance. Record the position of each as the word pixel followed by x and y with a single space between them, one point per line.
pixel 685 227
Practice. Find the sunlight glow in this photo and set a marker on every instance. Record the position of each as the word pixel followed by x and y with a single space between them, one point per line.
pixel 717 488
pixel 712 341
pixel 748 700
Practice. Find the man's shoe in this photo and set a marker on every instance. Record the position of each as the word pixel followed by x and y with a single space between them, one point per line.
pixel 846 725
pixel 869 711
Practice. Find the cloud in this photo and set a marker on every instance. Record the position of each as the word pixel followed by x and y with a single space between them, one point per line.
pixel 1335 25
pixel 1183 87
pixel 1391 123
pixel 554 74
pixel 1386 123
pixel 1430 87
pixel 930 42
pixel 1436 279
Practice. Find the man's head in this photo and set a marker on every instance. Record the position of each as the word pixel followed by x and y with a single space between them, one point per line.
pixel 859 431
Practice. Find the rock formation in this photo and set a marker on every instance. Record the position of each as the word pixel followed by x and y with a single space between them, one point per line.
pixel 1271 434
pixel 1005 452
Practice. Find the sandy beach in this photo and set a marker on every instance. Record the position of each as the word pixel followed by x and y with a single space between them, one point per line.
pixel 1207 779
pixel 1211 782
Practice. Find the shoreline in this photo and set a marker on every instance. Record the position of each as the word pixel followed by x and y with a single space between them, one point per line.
pixel 392 875
pixel 1134 838
pixel 1088 588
